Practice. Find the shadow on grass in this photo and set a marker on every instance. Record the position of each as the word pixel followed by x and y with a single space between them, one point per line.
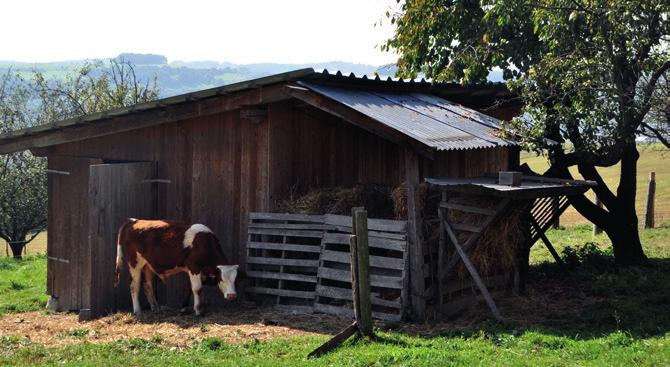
pixel 634 300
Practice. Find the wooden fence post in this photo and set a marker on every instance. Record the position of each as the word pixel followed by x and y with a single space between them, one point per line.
pixel 363 275
pixel 651 191
pixel 596 229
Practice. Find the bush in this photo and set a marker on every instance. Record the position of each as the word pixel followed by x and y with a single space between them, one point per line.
pixel 588 256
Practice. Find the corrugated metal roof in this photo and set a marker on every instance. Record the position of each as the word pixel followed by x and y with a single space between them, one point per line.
pixel 432 120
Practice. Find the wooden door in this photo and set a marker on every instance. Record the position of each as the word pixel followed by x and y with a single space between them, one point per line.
pixel 67 236
pixel 116 192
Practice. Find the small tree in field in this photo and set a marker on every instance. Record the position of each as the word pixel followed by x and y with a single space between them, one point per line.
pixel 25 103
pixel 588 71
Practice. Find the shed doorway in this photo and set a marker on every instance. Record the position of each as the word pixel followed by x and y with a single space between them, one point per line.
pixel 115 192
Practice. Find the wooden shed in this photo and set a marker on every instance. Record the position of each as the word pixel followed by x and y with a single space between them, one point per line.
pixel 216 155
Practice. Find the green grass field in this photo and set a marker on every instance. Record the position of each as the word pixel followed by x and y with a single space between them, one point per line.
pixel 651 159
pixel 627 323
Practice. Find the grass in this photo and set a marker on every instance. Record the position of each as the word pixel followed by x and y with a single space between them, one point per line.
pixel 628 325
pixel 652 158
pixel 22 284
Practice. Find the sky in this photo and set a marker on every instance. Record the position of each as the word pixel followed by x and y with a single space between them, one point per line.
pixel 242 31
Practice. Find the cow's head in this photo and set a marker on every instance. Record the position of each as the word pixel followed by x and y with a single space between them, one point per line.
pixel 227 282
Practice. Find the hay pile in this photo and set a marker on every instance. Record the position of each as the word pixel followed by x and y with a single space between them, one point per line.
pixel 339 200
pixel 496 251
pixel 235 324
pixel 498 247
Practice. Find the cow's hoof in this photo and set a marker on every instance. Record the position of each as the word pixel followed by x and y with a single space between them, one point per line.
pixel 185 311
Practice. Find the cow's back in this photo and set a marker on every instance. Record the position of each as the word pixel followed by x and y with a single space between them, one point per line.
pixel 160 242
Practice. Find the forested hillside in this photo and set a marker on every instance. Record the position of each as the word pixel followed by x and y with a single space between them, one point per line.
pixel 177 77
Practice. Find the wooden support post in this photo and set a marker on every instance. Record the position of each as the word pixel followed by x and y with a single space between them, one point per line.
pixel 554 254
pixel 335 341
pixel 597 230
pixel 363 275
pixel 473 272
pixel 651 191
pixel 547 243
pixel 415 236
pixel 554 213
pixel 442 249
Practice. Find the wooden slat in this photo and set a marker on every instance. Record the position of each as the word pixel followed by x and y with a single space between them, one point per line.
pixel 281 292
pixel 283 247
pixel 282 276
pixel 280 261
pixel 348 312
pixel 466 227
pixel 299 226
pixel 377 242
pixel 382 225
pixel 375 280
pixel 345 294
pixel 467 208
pixel 287 233
pixel 287 217
pixel 375 261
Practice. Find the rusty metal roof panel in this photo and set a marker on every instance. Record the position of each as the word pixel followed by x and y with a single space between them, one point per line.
pixel 434 121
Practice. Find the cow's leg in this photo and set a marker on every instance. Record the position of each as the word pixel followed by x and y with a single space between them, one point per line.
pixel 196 286
pixel 135 280
pixel 149 288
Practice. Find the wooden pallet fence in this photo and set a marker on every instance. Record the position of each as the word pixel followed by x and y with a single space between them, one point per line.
pixel 283 258
pixel 302 263
pixel 388 260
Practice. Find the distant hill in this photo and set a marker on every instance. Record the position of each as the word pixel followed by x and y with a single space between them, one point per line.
pixel 177 77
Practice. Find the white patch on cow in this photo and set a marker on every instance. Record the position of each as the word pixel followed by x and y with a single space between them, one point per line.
pixel 227 283
pixel 135 282
pixel 196 285
pixel 189 236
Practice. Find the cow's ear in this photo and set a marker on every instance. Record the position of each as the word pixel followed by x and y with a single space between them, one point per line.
pixel 234 267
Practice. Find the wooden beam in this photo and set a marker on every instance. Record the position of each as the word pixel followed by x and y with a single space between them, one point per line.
pixel 475 237
pixel 473 272
pixel 335 341
pixel 142 119
pixel 415 235
pixel 358 119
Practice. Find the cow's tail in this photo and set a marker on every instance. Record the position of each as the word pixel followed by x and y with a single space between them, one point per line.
pixel 119 252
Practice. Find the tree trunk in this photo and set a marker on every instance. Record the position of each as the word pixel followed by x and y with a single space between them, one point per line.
pixel 623 230
pixel 620 220
pixel 17 249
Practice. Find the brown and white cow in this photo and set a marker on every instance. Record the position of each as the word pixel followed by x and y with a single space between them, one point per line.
pixel 165 248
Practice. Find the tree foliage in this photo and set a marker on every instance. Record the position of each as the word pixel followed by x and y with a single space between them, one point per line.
pixel 25 103
pixel 589 73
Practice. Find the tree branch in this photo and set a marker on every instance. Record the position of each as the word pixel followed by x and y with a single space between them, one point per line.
pixel 648 90
pixel 657 134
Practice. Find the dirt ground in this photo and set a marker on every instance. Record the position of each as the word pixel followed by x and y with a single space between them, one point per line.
pixel 546 303
pixel 233 325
